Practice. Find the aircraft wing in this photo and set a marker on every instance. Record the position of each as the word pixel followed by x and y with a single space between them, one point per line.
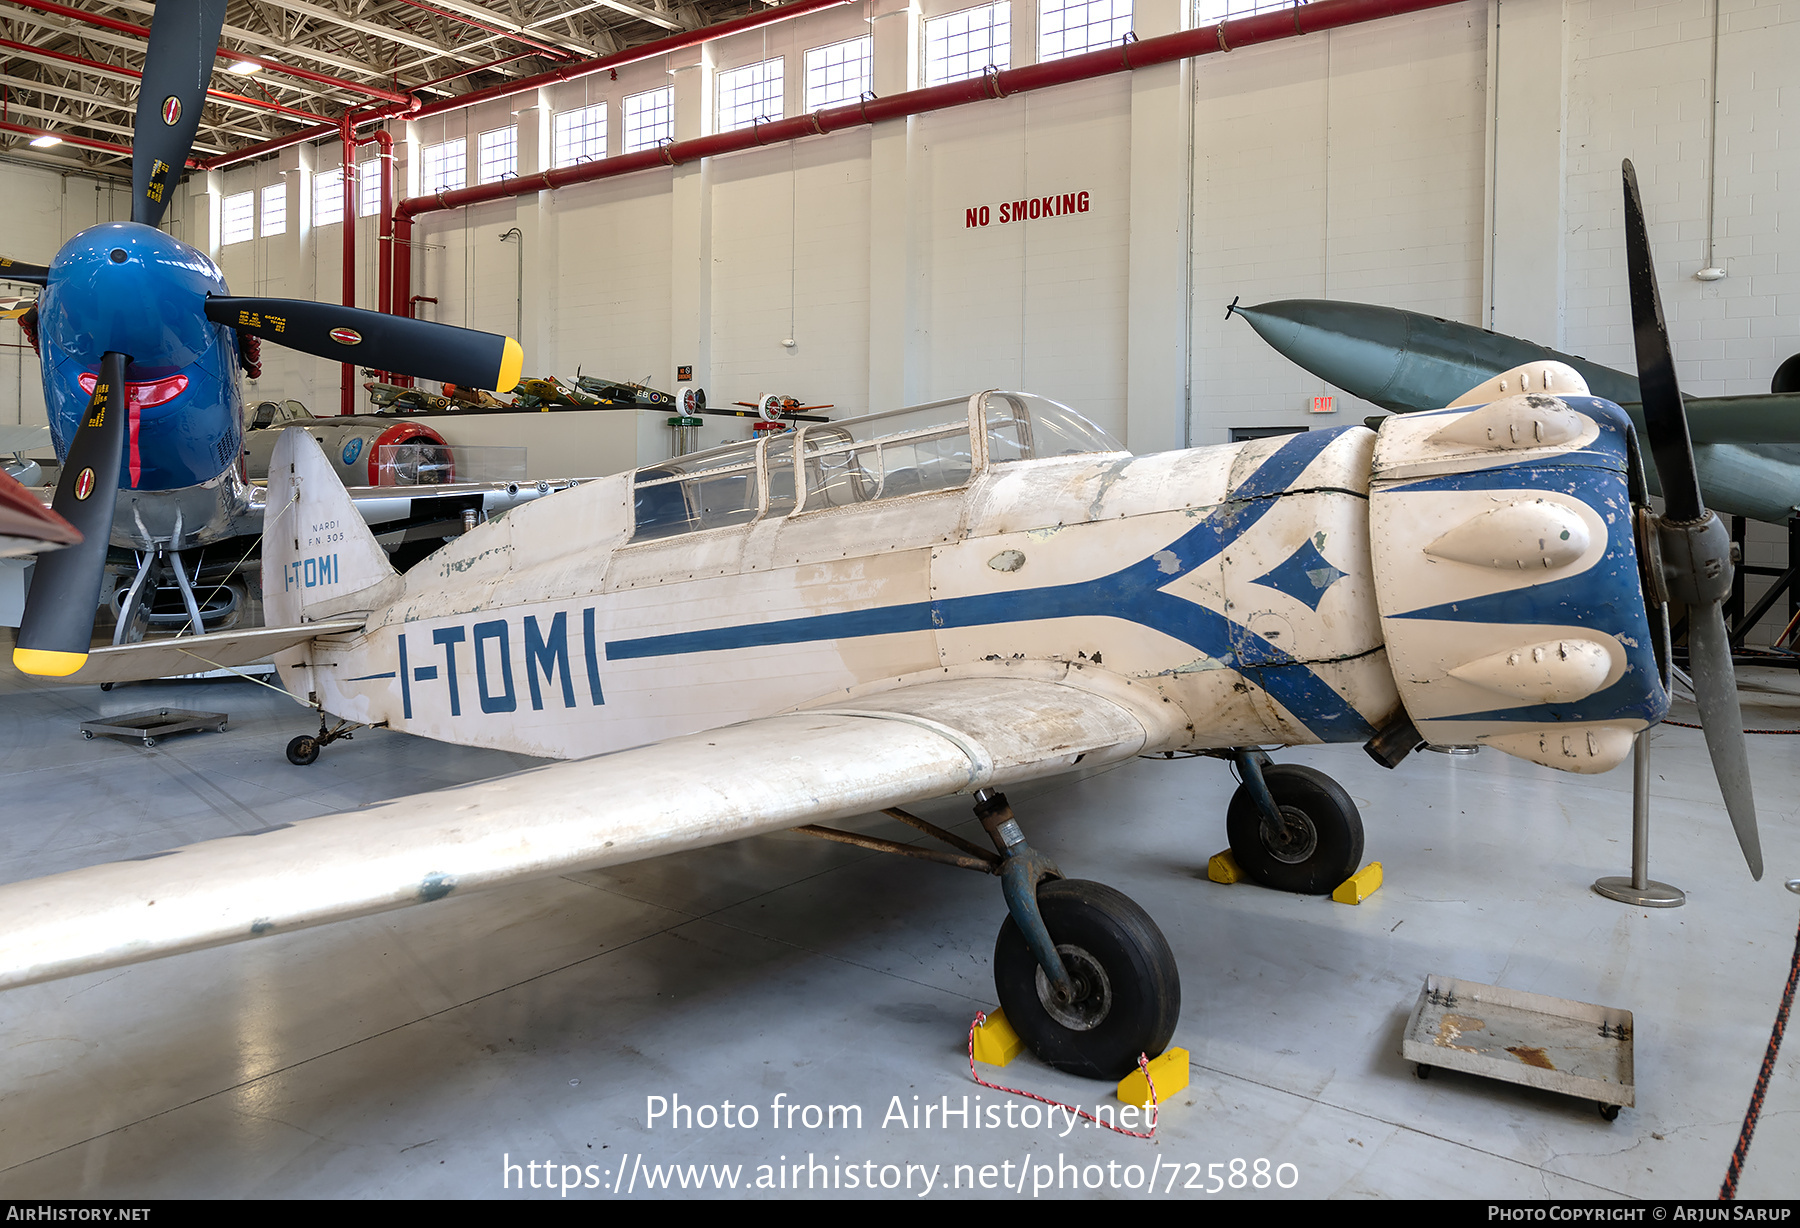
pixel 1754 418
pixel 893 748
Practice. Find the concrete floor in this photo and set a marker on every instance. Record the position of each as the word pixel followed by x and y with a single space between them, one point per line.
pixel 417 1053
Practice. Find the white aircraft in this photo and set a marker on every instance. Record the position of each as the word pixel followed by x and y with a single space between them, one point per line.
pixel 947 599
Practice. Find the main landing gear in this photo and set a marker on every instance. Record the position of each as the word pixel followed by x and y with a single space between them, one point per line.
pixel 1292 827
pixel 1084 975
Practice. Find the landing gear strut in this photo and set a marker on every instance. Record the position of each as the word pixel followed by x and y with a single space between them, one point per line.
pixel 1084 975
pixel 1292 827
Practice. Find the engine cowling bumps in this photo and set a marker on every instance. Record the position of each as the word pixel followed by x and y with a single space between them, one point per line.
pixel 1507 576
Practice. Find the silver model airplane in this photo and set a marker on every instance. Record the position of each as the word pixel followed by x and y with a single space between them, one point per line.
pixel 950 599
pixel 1746 448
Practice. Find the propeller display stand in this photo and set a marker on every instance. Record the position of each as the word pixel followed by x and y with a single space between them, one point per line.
pixel 1638 889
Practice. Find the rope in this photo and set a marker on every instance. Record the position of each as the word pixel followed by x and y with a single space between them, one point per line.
pixel 1686 725
pixel 1728 1190
pixel 1143 1065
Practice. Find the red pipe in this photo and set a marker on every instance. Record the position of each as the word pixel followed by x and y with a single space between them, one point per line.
pixel 84 142
pixel 1242 32
pixel 126 27
pixel 567 72
pixel 463 72
pixel 123 71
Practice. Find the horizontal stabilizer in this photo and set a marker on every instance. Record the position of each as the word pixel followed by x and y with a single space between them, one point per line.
pixel 194 654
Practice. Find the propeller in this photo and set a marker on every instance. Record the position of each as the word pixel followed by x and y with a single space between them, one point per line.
pixel 1694 546
pixel 184 37
pixel 26 525
pixel 376 339
pixel 58 624
pixel 18 270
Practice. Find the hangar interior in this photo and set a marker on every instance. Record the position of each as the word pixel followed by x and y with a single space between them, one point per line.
pixel 1460 161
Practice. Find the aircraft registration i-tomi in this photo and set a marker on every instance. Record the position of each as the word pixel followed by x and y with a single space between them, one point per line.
pixel 141 346
pixel 950 599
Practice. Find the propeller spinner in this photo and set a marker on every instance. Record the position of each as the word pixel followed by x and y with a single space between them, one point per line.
pixel 1688 543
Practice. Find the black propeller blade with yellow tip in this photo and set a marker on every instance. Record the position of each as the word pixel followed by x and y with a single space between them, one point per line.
pixel 1695 548
pixel 19 271
pixel 184 37
pixel 58 624
pixel 375 339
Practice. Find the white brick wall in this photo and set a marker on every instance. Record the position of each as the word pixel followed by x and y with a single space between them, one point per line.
pixel 1354 165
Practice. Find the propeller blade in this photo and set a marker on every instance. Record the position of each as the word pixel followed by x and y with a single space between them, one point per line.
pixel 376 339
pixel 184 38
pixel 58 625
pixel 1696 550
pixel 1665 419
pixel 1715 691
pixel 19 271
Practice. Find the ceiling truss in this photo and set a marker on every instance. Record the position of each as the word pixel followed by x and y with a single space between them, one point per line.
pixel 66 76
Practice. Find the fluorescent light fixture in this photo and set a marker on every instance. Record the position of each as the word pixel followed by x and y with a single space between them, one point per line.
pixel 244 68
pixel 45 142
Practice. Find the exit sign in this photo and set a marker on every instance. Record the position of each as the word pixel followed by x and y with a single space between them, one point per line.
pixel 1324 405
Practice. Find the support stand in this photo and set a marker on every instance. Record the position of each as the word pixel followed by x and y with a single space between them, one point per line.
pixel 1638 889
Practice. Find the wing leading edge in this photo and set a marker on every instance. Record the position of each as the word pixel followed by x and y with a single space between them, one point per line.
pixel 891 749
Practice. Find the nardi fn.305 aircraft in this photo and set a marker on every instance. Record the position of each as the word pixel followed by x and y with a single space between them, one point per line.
pixel 950 599
pixel 140 344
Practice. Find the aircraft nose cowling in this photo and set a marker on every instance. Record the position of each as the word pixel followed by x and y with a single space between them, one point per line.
pixel 133 290
pixel 1507 578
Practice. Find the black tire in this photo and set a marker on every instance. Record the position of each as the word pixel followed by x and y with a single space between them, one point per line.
pixel 1322 844
pixel 1102 936
pixel 303 750
pixel 87 735
pixel 149 741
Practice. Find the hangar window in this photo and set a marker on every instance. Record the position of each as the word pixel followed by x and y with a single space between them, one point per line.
pixel 1210 12
pixel 497 154
pixel 328 198
pixel 237 220
pixel 1070 27
pixel 274 205
pixel 749 94
pixel 838 73
pixel 368 187
pixel 445 167
pixel 649 119
pixel 580 136
pixel 959 45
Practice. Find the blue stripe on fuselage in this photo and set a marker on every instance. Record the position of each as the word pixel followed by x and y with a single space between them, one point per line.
pixel 1133 594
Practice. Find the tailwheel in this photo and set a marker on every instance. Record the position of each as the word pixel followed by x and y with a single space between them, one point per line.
pixel 1316 845
pixel 1127 989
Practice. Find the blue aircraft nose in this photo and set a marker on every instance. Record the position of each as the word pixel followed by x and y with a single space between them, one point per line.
pixel 130 288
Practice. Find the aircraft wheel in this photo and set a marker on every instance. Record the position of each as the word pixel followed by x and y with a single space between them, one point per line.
pixel 1319 846
pixel 302 750
pixel 1128 989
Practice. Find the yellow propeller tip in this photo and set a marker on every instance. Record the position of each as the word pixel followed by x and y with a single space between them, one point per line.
pixel 46 664
pixel 512 362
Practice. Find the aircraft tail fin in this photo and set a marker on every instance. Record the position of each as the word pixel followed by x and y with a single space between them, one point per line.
pixel 319 558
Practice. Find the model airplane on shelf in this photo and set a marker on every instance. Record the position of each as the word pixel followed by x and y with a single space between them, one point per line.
pixel 1746 448
pixel 141 344
pixel 951 599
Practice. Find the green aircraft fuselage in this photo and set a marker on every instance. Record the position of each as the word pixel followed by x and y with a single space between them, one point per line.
pixel 1746 447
